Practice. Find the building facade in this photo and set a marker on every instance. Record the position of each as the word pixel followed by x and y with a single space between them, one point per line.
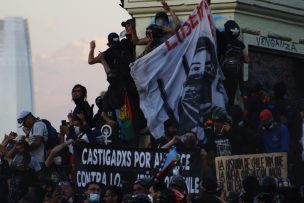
pixel 271 29
pixel 15 72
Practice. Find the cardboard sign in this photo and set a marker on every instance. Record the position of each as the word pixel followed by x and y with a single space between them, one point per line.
pixel 231 170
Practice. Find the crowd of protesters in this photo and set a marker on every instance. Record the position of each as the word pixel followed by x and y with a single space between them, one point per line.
pixel 39 165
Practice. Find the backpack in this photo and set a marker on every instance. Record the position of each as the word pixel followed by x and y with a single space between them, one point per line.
pixel 52 140
pixel 231 62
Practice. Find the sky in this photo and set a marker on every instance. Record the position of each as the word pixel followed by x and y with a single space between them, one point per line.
pixel 60 32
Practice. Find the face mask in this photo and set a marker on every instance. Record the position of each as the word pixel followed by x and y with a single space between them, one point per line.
pixel 94 197
pixel 161 22
pixel 77 130
pixel 57 160
pixel 78 100
pixel 268 126
pixel 190 143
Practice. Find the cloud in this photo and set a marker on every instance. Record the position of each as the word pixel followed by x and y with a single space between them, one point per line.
pixel 55 74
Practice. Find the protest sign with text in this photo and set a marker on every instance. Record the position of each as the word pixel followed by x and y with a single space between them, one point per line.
pixel 231 170
pixel 122 166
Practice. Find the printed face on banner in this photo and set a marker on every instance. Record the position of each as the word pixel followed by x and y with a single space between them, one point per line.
pixel 196 99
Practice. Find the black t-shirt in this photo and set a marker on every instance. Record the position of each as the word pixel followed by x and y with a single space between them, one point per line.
pixel 219 144
pixel 223 43
pixel 119 56
pixel 85 108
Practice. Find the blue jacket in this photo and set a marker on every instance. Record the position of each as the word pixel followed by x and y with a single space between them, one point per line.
pixel 276 139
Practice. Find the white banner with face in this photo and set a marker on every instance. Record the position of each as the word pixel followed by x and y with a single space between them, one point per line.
pixel 187 66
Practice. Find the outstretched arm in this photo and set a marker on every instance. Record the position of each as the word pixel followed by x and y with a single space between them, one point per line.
pixel 54 151
pixel 92 60
pixel 175 19
pixel 172 142
pixel 98 59
pixel 135 39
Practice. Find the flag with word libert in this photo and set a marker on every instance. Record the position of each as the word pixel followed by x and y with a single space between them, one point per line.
pixel 181 79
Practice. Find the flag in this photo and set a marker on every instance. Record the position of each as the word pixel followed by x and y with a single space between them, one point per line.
pixel 172 158
pixel 181 78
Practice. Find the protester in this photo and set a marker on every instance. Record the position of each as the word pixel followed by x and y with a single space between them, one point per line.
pixel 113 194
pixel 79 96
pixel 254 102
pixel 169 196
pixel 209 192
pixel 92 192
pixel 22 178
pixel 243 140
pixel 156 188
pixel 219 141
pixel 38 135
pixel 232 55
pixel 275 136
pixel 171 134
pixel 286 112
pixel 98 117
pixel 158 32
pixel 57 166
pixel 179 186
pixel 140 186
pixel 251 189
pixel 122 95
pixel 268 192
pixel 40 165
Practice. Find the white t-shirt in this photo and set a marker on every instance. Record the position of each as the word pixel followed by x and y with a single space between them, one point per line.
pixel 39 129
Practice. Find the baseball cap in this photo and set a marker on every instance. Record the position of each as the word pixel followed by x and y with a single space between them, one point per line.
pixel 129 21
pixel 113 38
pixel 22 116
pixel 265 115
